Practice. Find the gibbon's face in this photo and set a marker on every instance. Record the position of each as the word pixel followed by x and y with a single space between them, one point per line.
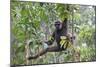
pixel 58 25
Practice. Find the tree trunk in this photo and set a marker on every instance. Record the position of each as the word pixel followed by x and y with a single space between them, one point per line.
pixel 27 53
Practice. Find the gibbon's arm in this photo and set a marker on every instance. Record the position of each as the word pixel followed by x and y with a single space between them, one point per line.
pixel 51 39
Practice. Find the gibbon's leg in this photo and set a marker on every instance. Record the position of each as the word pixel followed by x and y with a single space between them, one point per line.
pixel 44 51
pixel 53 49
